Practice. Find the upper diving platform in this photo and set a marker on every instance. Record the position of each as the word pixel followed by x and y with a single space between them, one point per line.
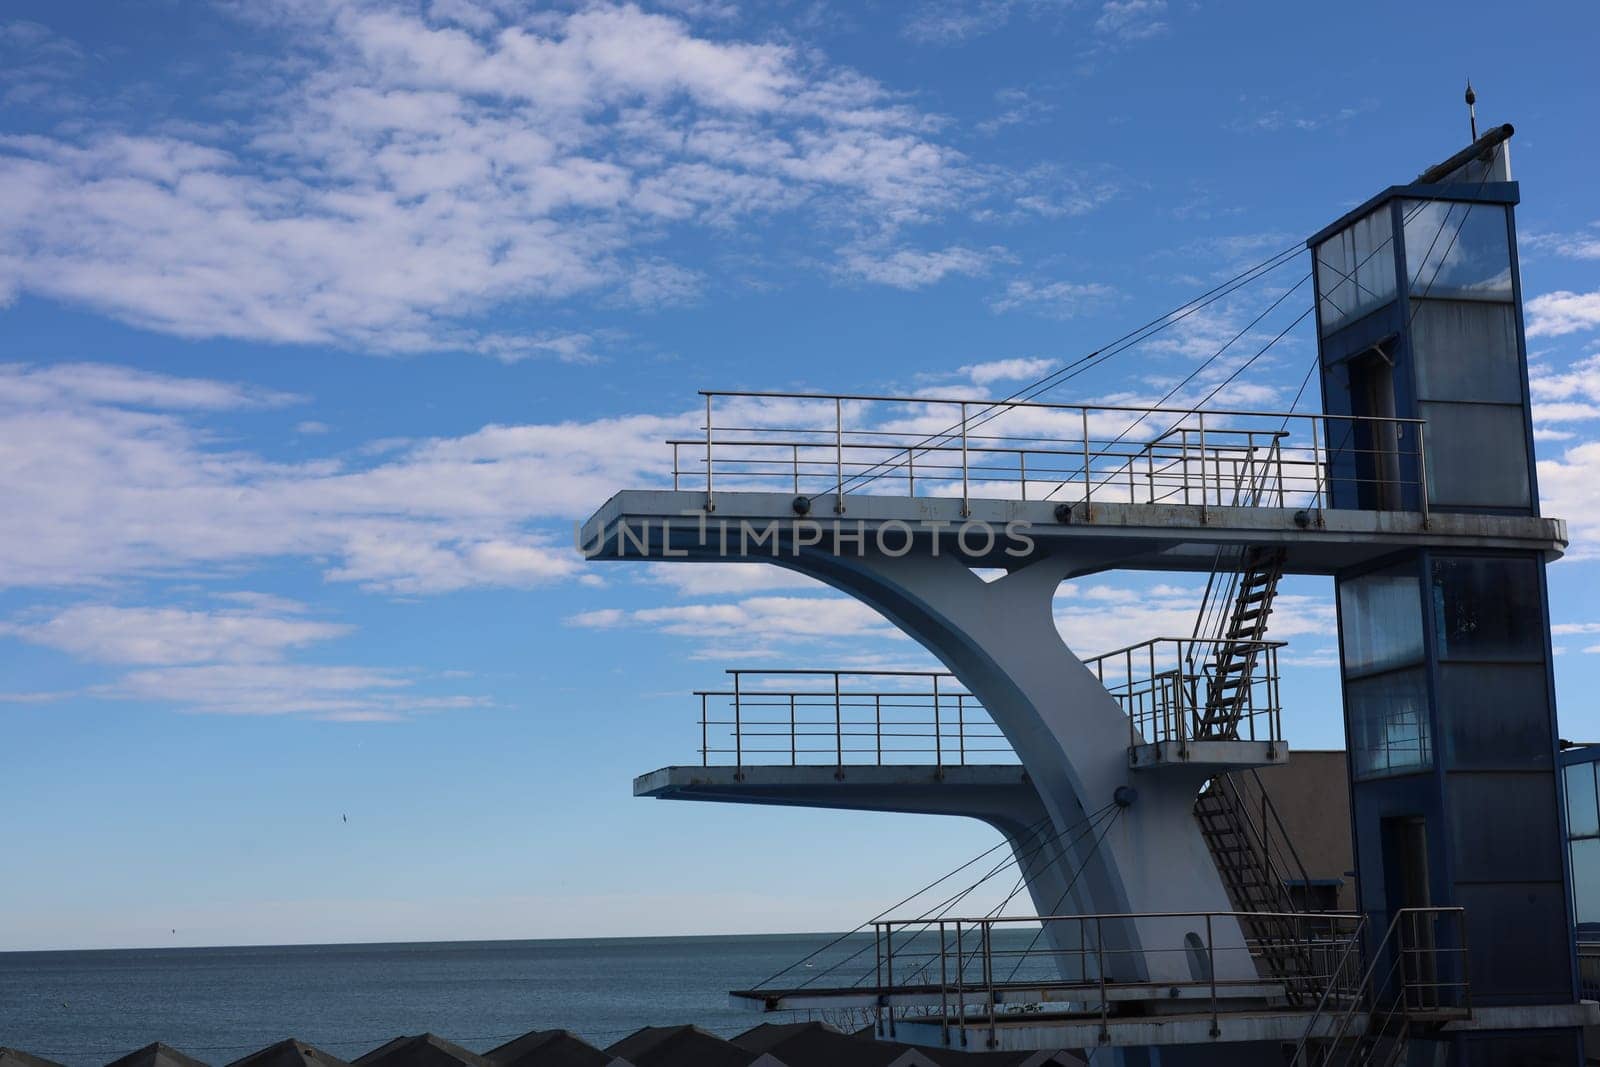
pixel 1003 482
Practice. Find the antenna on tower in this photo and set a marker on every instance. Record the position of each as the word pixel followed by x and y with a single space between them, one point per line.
pixel 1472 109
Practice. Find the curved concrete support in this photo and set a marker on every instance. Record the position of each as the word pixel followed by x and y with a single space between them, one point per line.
pixel 1000 639
pixel 1001 796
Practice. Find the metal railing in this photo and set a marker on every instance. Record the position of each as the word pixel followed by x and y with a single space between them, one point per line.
pixel 839 445
pixel 1166 684
pixel 965 973
pixel 839 717
pixel 1417 972
pixel 1589 970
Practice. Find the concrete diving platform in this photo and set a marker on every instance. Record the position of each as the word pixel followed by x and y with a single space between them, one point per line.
pixel 920 789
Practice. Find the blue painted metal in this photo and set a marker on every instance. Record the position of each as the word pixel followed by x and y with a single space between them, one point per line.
pixel 1471 810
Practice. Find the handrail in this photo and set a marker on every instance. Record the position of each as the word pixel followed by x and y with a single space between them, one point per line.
pixel 1202 457
pixel 930 978
pixel 980 402
pixel 842 718
pixel 1368 992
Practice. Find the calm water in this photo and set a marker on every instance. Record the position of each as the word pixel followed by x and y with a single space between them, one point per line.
pixel 220 1003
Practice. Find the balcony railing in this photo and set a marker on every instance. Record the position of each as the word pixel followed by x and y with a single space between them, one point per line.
pixel 972 976
pixel 1167 684
pixel 827 717
pixel 844 445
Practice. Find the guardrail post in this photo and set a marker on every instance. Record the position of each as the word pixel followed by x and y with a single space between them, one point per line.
pixel 1022 471
pixel 705 753
pixel 793 744
pixel 888 953
pixel 795 457
pixel 944 989
pixel 1088 481
pixel 1100 966
pixel 674 466
pixel 988 977
pixel 1211 967
pixel 966 483
pixel 838 721
pixel 738 731
pixel 838 452
pixel 911 471
pixel 961 727
pixel 877 950
pixel 711 497
pixel 877 724
pixel 1205 491
pixel 1317 481
pixel 1422 471
pixel 961 986
pixel 938 746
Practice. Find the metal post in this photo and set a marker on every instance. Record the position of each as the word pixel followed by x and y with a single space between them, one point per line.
pixel 888 952
pixel 1088 482
pixel 793 761
pixel 795 450
pixel 944 986
pixel 1022 471
pixel 938 747
pixel 961 985
pixel 838 721
pixel 966 483
pixel 674 466
pixel 1100 965
pixel 1205 492
pixel 738 740
pixel 877 724
pixel 1422 471
pixel 838 452
pixel 1277 455
pixel 705 754
pixel 988 977
pixel 1211 966
pixel 877 948
pixel 711 497
pixel 961 726
pixel 911 472
pixel 1317 481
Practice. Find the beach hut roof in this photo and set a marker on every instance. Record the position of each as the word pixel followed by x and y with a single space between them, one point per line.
pixel 10 1057
pixel 551 1048
pixel 290 1053
pixel 686 1046
pixel 156 1054
pixel 421 1050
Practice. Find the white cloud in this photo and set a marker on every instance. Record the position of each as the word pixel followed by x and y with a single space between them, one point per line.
pixel 842 629
pixel 1006 370
pixel 167 636
pixel 102 490
pixel 1097 617
pixel 1055 299
pixel 409 171
pixel 344 694
pixel 1132 20
pixel 230 661
pixel 1560 313
pixel 1584 244
pixel 1569 487
pixel 910 268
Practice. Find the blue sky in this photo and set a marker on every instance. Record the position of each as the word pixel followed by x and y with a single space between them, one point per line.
pixel 322 322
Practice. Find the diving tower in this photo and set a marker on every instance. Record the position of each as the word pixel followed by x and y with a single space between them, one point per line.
pixel 958 519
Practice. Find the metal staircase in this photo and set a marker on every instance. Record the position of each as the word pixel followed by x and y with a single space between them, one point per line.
pixel 1257 862
pixel 1234 661
pixel 1246 838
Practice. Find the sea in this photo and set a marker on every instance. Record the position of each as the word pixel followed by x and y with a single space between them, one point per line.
pixel 219 1004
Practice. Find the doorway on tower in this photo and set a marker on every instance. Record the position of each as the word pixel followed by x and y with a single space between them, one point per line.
pixel 1405 868
pixel 1376 443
